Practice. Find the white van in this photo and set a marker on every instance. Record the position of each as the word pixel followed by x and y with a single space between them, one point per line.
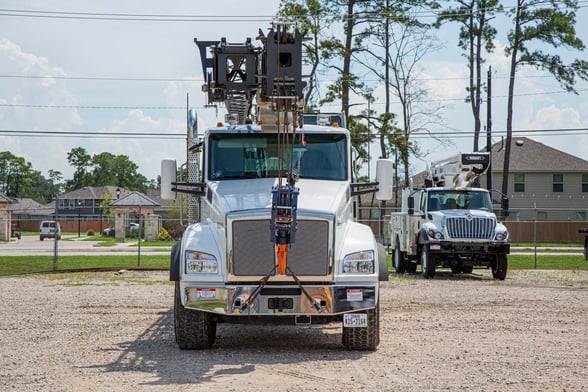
pixel 49 229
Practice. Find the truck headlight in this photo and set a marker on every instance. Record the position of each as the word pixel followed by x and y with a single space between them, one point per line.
pixel 502 236
pixel 359 263
pixel 200 263
pixel 437 235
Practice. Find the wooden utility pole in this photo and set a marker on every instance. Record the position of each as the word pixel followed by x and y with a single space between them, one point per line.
pixel 489 128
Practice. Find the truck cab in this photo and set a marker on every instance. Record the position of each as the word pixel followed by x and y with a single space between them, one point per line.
pixel 225 265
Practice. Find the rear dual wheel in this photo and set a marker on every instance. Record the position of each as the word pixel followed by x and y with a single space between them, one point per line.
pixel 399 260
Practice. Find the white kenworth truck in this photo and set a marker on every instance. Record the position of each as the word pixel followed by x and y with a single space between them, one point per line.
pixel 449 226
pixel 276 241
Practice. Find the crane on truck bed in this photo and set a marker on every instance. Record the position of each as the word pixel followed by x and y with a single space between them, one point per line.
pixel 276 240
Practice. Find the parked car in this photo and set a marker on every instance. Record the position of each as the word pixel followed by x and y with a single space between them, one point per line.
pixel 49 229
pixel 108 232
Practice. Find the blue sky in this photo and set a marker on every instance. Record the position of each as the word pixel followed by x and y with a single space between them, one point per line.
pixel 84 56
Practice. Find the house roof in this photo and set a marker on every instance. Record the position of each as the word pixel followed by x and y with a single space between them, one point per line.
pixel 6 200
pixel 528 155
pixel 93 192
pixel 25 204
pixel 134 199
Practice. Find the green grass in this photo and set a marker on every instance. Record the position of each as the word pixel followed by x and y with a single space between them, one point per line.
pixel 547 262
pixel 544 262
pixel 545 245
pixel 11 265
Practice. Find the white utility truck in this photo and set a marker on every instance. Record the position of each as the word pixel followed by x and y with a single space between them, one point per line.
pixel 276 241
pixel 449 224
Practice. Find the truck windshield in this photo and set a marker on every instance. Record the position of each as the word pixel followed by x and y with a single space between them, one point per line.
pixel 459 200
pixel 316 156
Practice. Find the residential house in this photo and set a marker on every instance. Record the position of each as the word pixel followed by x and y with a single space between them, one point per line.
pixel 544 183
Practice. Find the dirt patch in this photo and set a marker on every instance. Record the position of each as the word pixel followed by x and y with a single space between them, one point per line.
pixel 115 333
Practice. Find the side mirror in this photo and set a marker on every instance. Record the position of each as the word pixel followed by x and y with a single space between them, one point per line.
pixel 410 205
pixel 168 175
pixel 385 179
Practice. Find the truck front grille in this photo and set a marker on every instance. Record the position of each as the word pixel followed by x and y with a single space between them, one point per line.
pixel 254 254
pixel 474 228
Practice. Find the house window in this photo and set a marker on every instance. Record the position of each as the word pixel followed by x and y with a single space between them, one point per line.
pixel 581 215
pixel 584 182
pixel 558 183
pixel 519 182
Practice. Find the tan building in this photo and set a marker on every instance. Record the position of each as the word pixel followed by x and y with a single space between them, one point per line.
pixel 5 217
pixel 543 183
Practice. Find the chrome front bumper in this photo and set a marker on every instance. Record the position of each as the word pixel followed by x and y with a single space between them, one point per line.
pixel 280 300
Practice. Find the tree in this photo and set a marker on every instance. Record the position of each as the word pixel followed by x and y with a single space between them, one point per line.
pixel 312 17
pixel 476 35
pixel 41 189
pixel 80 160
pixel 410 42
pixel 104 169
pixel 335 50
pixel 119 170
pixel 545 23
pixel 15 175
pixel 56 179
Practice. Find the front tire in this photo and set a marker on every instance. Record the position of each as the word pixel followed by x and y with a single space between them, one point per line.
pixel 499 267
pixel 194 329
pixel 399 260
pixel 427 263
pixel 364 338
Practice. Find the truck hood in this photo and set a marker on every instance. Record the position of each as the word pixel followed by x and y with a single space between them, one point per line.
pixel 249 194
pixel 438 215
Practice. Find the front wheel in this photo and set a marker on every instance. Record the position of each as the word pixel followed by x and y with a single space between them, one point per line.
pixel 427 263
pixel 194 329
pixel 364 338
pixel 499 267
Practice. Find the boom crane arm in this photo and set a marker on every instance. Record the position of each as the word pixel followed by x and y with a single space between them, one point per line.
pixel 461 170
pixel 237 74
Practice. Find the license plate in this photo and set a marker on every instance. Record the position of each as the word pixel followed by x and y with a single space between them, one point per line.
pixel 205 293
pixel 355 320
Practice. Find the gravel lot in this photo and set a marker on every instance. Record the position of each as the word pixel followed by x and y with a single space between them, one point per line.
pixel 107 332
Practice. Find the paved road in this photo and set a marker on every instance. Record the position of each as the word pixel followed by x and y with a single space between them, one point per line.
pixel 31 246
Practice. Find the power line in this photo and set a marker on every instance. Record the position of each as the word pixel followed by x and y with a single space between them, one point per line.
pixel 101 78
pixel 90 134
pixel 133 17
pixel 192 80
pixel 42 106
pixel 425 13
pixel 179 136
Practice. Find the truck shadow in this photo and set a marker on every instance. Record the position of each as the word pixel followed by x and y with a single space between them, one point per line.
pixel 238 349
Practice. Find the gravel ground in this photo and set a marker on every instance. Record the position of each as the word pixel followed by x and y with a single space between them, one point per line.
pixel 107 332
